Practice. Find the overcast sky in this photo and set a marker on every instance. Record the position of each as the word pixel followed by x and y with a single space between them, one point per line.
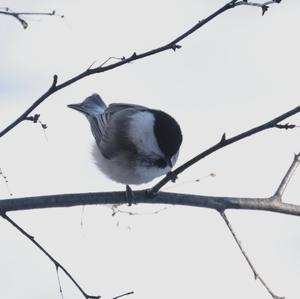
pixel 237 72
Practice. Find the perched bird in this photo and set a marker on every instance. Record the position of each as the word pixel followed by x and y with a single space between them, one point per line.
pixel 134 144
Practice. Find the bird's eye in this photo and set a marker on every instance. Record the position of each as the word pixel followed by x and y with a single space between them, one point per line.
pixel 161 163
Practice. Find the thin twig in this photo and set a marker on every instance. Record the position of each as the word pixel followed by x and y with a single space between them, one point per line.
pixel 36 120
pixel 44 127
pixel 123 295
pixel 59 283
pixel 116 210
pixel 112 58
pixel 18 15
pixel 198 180
pixel 264 6
pixel 256 275
pixel 286 126
pixel 173 45
pixel 222 143
pixel 56 263
pixel 81 217
pixel 283 184
pixel 4 177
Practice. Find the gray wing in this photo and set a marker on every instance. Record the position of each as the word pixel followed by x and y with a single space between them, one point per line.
pixel 110 129
pixel 115 107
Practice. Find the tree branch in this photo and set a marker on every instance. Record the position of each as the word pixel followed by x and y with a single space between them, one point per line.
pixel 218 203
pixel 264 6
pixel 18 15
pixel 96 198
pixel 59 283
pixel 123 295
pixel 256 275
pixel 222 143
pixel 56 263
pixel 283 184
pixel 173 45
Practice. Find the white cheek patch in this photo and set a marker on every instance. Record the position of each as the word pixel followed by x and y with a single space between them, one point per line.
pixel 174 158
pixel 142 133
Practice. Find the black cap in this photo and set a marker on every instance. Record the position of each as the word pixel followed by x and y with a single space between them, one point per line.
pixel 167 132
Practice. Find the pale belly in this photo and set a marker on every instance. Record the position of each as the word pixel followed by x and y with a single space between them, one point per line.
pixel 119 170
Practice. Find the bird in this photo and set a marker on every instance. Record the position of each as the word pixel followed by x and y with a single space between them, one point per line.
pixel 133 144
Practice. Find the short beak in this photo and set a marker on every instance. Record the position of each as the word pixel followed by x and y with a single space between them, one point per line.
pixel 77 107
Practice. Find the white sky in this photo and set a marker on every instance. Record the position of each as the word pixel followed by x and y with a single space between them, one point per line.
pixel 238 71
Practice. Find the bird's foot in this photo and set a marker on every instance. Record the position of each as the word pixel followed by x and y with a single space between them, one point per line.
pixel 150 193
pixel 172 176
pixel 129 195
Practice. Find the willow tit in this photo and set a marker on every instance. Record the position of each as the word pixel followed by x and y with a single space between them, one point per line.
pixel 134 144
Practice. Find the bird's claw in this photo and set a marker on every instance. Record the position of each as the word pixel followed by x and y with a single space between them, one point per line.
pixel 172 176
pixel 129 195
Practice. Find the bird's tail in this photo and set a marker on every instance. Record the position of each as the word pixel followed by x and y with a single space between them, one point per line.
pixel 91 106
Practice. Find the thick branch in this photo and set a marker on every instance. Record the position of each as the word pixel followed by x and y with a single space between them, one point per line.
pixel 211 202
pixel 219 203
pixel 173 45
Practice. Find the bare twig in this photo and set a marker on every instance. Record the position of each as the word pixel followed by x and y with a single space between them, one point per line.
pixel 178 184
pixel 81 217
pixel 36 119
pixel 19 15
pixel 283 184
pixel 56 263
pixel 224 142
pixel 256 275
pixel 112 58
pixel 4 177
pixel 173 45
pixel 123 295
pixel 24 115
pixel 116 210
pixel 59 283
pixel 264 6
pixel 286 126
pixel 106 61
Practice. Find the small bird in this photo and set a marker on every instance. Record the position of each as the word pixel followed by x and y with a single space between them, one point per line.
pixel 134 144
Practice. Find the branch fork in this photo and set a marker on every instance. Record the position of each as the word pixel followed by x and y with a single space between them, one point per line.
pixel 19 15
